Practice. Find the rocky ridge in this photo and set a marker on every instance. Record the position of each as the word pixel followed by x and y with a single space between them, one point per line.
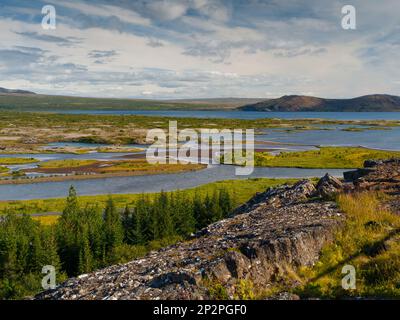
pixel 378 175
pixel 276 231
pixel 383 175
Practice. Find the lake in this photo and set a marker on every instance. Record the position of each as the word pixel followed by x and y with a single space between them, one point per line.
pixel 332 135
pixel 374 139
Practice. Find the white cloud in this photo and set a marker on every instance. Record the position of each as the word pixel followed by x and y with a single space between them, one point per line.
pixel 167 10
pixel 201 48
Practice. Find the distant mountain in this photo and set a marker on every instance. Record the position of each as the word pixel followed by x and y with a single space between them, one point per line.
pixel 376 102
pixel 4 91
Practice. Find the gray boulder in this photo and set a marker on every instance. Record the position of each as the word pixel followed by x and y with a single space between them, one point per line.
pixel 328 186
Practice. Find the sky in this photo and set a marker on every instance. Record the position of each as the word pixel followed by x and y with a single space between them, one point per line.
pixel 172 49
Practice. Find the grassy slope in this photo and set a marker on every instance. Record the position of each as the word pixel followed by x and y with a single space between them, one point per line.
pixel 369 241
pixel 326 157
pixel 241 190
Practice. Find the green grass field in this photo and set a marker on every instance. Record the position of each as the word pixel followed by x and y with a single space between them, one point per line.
pixel 67 163
pixel 325 157
pixel 12 161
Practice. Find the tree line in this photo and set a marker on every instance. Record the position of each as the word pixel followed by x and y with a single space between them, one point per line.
pixel 87 238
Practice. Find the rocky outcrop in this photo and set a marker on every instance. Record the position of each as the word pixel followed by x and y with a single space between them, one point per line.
pixel 378 175
pixel 351 176
pixel 279 229
pixel 328 186
pixel 276 197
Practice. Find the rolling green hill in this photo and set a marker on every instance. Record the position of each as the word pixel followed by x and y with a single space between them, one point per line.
pixel 39 102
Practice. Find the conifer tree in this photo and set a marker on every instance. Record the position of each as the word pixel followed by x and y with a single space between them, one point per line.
pixel 215 209
pixel 144 212
pixel 183 214
pixel 113 231
pixel 9 247
pixel 67 233
pixel 49 248
pixel 37 256
pixel 225 202
pixel 163 217
pixel 208 211
pixel 25 229
pixel 199 212
pixel 85 263
pixel 132 226
pixel 71 209
pixel 93 219
pixel 127 225
pixel 136 228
